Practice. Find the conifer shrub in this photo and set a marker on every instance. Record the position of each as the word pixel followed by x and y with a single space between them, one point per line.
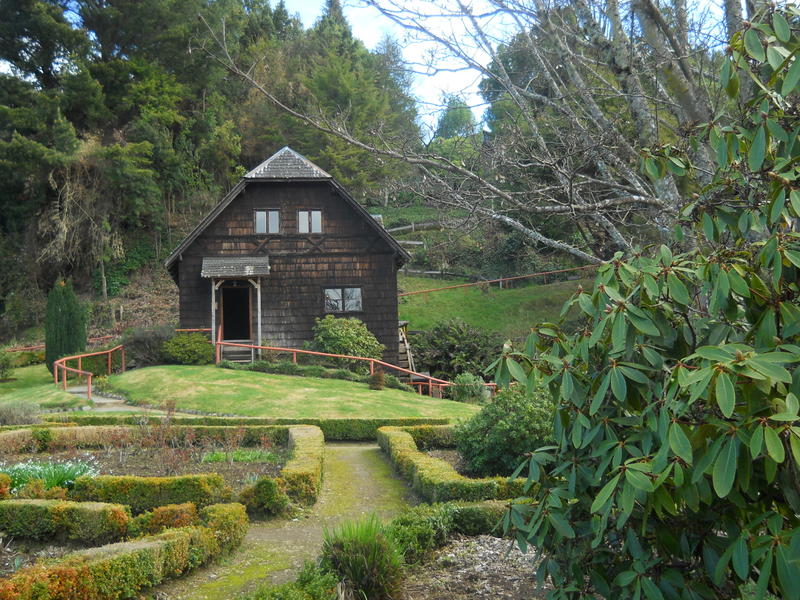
pixel 65 324
pixel 143 345
pixel 188 349
pixel 365 557
pixel 452 347
pixel 266 496
pixel 467 388
pixel 493 441
pixel 377 381
pixel 6 365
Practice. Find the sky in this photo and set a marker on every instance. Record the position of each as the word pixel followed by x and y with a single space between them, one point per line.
pixel 370 27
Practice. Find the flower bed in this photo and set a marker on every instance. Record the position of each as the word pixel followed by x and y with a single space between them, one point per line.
pixel 436 480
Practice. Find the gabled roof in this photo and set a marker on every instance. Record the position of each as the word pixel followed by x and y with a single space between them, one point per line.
pixel 287 164
pixel 284 165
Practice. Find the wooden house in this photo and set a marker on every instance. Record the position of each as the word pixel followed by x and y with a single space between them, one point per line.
pixel 285 246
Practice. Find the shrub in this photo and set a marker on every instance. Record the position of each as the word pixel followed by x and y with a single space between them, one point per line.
pixel 157 520
pixel 346 336
pixel 35 488
pixel 303 472
pixel 6 365
pixel 143 346
pixel 312 584
pixel 494 441
pixel 65 324
pixel 19 413
pixel 677 448
pixel 87 522
pixel 188 349
pixel 146 493
pixel 43 438
pixel 228 522
pixel 366 559
pixel 420 530
pixel 265 496
pixel 467 388
pixel 377 381
pixel 51 473
pixel 452 347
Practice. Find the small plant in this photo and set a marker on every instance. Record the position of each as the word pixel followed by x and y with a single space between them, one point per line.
pixel 101 384
pixel 377 380
pixel 367 560
pixel 188 349
pixel 52 474
pixel 244 455
pixel 494 441
pixel 18 413
pixel 43 436
pixel 468 388
pixel 266 495
pixel 452 347
pixel 6 366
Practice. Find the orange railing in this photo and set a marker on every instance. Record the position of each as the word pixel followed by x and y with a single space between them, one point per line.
pixel 432 383
pixel 61 371
pixel 501 280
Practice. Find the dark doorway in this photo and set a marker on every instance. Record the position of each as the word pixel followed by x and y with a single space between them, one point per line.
pixel 236 313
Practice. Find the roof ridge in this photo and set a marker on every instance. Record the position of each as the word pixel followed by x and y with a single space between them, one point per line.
pixel 287 163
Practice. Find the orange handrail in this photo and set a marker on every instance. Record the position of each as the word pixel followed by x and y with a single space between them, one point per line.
pixel 462 285
pixel 432 382
pixel 61 370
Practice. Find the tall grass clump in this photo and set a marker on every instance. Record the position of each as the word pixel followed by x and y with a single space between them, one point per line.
pixel 367 560
pixel 52 474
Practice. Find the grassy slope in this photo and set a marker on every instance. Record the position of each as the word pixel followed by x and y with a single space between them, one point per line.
pixel 282 396
pixel 35 384
pixel 510 312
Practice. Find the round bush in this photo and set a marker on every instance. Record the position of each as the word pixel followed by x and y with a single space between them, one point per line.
pixel 345 336
pixel 143 346
pixel 467 388
pixel 494 440
pixel 188 349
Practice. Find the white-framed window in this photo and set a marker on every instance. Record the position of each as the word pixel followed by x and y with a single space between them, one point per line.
pixel 268 221
pixel 339 300
pixel 309 221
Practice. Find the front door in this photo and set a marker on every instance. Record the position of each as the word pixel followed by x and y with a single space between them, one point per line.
pixel 235 313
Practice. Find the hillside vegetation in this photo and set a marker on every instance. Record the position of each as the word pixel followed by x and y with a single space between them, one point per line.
pixel 508 312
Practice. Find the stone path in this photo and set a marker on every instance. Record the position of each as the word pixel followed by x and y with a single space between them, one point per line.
pixel 357 480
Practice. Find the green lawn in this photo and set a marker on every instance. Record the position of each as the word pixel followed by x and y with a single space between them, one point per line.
pixel 245 393
pixel 35 384
pixel 509 312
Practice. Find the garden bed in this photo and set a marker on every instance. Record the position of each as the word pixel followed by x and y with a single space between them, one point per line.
pixel 17 554
pixel 163 462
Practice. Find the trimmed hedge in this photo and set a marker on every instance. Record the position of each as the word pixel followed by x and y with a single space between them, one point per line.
pixel 436 480
pixel 146 493
pixel 157 520
pixel 100 436
pixel 334 429
pixel 303 472
pixel 121 570
pixel 428 437
pixel 88 522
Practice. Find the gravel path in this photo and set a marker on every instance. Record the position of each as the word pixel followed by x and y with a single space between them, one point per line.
pixel 357 480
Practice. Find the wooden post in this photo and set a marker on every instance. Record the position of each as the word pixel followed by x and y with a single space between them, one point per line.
pixel 89 388
pixel 294 357
pixel 213 311
pixel 108 363
pixel 258 317
pixel 123 359
pixel 372 367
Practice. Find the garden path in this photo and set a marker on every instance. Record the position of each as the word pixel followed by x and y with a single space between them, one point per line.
pixel 357 480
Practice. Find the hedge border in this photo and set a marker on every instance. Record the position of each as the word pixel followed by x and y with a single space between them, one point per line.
pixel 302 473
pixel 353 430
pixel 121 570
pixel 436 480
pixel 87 522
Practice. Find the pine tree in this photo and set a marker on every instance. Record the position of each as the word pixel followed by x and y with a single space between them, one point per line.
pixel 65 324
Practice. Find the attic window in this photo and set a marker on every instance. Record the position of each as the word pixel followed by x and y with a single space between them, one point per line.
pixel 339 300
pixel 267 221
pixel 309 221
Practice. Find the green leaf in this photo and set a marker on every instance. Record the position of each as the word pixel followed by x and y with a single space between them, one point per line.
pixel 755 158
pixel 679 443
pixel 639 480
pixel 757 441
pixel 726 396
pixel 600 395
pixel 651 589
pixel 605 493
pixel 794 199
pixel 775 447
pixel 781 27
pixel 643 324
pixel 708 227
pixel 677 289
pixel 752 44
pixel 791 79
pixel 793 256
pixel 618 385
pixel 740 558
pixel 516 370
pixel 724 471
pixel 560 524
pixel 794 444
